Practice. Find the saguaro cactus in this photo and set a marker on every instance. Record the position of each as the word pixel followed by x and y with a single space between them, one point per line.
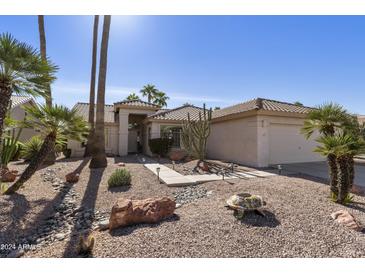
pixel 195 135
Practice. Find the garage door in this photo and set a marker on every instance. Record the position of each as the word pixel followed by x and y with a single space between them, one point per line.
pixel 288 145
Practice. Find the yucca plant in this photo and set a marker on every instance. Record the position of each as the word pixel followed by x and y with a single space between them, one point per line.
pixel 52 122
pixel 10 147
pixel 31 148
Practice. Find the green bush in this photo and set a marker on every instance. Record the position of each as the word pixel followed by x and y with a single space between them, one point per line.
pixel 31 147
pixel 159 146
pixel 120 177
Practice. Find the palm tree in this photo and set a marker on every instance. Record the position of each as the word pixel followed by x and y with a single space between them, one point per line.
pixel 42 42
pixel 344 147
pixel 132 96
pixel 22 71
pixel 160 99
pixel 53 123
pixel 98 153
pixel 326 119
pixel 89 145
pixel 149 91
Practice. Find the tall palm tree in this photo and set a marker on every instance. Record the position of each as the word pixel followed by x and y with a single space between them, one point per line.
pixel 98 153
pixel 42 42
pixel 89 145
pixel 160 99
pixel 326 119
pixel 149 91
pixel 132 96
pixel 52 122
pixel 22 71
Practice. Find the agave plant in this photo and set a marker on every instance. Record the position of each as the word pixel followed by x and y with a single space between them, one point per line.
pixel 52 122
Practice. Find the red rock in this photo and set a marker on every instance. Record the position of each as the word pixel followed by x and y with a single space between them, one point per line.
pixel 204 166
pixel 347 219
pixel 127 212
pixel 72 177
pixel 8 177
pixel 177 155
pixel 121 164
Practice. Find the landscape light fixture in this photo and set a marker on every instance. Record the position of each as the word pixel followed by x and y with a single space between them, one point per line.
pixel 280 168
pixel 173 165
pixel 158 173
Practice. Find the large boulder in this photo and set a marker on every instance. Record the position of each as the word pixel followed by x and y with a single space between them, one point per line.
pixel 177 155
pixel 127 212
pixel 72 177
pixel 345 218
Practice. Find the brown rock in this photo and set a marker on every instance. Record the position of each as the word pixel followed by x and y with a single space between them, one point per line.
pixel 177 155
pixel 72 177
pixel 127 212
pixel 8 177
pixel 347 219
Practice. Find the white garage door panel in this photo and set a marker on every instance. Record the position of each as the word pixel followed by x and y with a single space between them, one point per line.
pixel 288 145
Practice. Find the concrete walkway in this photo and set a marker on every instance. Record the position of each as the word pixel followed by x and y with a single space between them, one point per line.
pixel 173 178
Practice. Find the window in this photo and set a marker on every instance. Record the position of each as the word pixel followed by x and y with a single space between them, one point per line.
pixel 173 133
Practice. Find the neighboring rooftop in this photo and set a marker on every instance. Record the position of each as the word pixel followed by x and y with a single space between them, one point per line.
pixel 83 110
pixel 137 103
pixel 17 100
pixel 178 114
pixel 261 104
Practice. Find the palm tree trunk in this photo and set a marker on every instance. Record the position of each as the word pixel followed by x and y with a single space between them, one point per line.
pixel 343 177
pixel 35 163
pixel 98 154
pixel 42 40
pixel 5 96
pixel 332 165
pixel 51 157
pixel 351 171
pixel 90 138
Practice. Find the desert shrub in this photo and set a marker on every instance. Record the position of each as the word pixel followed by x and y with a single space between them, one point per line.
pixel 31 148
pixel 120 177
pixel 159 146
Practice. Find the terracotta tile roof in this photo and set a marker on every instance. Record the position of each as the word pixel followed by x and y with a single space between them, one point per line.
pixel 136 103
pixel 83 110
pixel 361 118
pixel 261 104
pixel 178 114
pixel 19 100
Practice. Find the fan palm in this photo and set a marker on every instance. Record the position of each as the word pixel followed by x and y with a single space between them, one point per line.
pixel 150 92
pixel 160 99
pixel 132 96
pixel 52 123
pixel 326 119
pixel 22 71
pixel 343 147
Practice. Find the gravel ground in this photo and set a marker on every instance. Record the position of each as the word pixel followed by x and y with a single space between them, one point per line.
pixel 297 224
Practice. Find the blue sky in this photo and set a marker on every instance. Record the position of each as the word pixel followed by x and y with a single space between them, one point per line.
pixel 220 60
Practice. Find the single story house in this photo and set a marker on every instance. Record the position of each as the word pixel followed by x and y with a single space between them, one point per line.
pixel 18 113
pixel 259 133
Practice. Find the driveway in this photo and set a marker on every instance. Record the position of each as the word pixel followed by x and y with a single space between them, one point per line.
pixel 320 169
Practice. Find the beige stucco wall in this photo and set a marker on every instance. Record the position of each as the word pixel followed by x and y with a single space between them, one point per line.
pixel 234 141
pixel 280 141
pixel 261 141
pixel 18 113
pixel 111 143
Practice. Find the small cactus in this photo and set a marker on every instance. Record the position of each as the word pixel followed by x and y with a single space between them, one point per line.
pixel 85 245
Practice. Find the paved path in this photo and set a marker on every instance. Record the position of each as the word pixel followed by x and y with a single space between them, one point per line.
pixel 173 178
